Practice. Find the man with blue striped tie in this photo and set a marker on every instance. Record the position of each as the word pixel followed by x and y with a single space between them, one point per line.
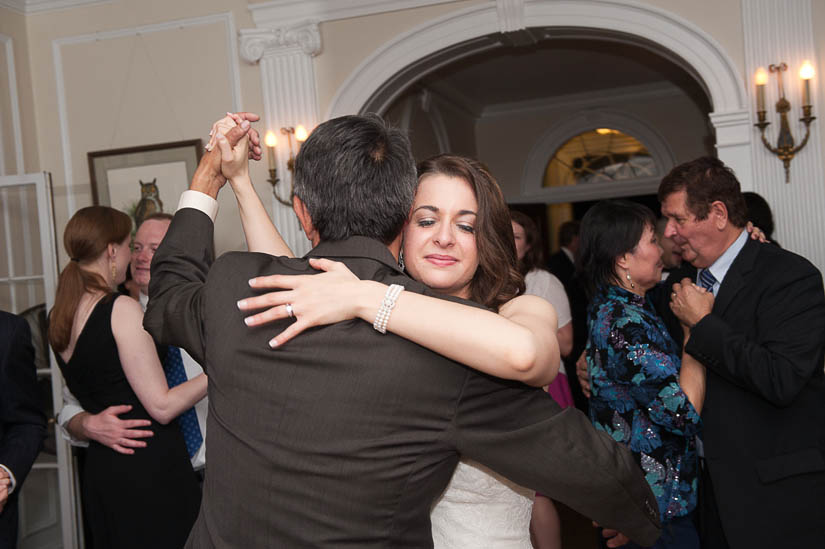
pixel 757 323
pixel 124 435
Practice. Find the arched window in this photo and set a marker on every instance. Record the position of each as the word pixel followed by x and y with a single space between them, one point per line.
pixel 592 155
pixel 600 155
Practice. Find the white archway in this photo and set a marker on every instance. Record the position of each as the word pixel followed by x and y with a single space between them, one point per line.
pixel 667 33
pixel 534 169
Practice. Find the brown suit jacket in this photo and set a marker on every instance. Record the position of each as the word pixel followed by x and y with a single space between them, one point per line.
pixel 344 436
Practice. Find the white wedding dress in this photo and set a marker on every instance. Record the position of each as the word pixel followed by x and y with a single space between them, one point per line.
pixel 481 509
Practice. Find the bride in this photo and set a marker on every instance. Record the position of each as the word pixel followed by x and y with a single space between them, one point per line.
pixel 459 241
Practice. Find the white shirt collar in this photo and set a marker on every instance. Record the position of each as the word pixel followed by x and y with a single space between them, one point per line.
pixel 144 300
pixel 720 267
pixel 569 254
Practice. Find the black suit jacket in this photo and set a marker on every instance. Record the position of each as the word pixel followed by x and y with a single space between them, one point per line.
pixel 764 413
pixel 344 436
pixel 22 423
pixel 561 266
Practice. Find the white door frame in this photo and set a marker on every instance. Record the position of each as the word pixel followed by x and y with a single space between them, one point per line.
pixel 45 220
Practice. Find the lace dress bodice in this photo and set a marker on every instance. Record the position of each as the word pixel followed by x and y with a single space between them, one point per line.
pixel 479 509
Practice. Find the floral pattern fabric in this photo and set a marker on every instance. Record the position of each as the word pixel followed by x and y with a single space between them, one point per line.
pixel 636 398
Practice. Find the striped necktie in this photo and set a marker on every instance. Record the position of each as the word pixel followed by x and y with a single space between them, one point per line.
pixel 188 420
pixel 707 280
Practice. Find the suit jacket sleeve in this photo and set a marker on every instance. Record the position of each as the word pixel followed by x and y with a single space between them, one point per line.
pixel 23 423
pixel 556 452
pixel 176 288
pixel 779 359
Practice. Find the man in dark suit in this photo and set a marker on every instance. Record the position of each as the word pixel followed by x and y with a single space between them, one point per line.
pixel 762 341
pixel 345 436
pixel 563 265
pixel 22 423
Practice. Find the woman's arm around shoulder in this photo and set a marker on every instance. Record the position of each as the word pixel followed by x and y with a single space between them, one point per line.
pixel 519 343
pixel 142 367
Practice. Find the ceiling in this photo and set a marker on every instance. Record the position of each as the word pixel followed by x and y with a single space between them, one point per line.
pixel 555 67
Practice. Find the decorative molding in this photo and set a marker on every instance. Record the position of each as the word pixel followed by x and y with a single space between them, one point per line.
pixel 510 15
pixel 409 48
pixel 255 42
pixel 774 33
pixel 290 98
pixel 280 13
pixel 19 165
pixel 29 7
pixel 703 55
pixel 233 76
pixel 532 179
pixel 582 100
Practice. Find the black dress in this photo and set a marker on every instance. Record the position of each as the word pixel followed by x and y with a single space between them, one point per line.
pixel 150 498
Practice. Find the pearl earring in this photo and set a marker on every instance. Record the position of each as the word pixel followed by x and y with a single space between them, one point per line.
pixel 627 275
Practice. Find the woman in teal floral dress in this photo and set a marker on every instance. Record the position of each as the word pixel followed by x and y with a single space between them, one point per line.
pixel 643 393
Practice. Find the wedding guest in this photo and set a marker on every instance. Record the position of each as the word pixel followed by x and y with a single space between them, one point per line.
pixel 149 498
pixel 124 435
pixel 762 340
pixel 22 423
pixel 643 393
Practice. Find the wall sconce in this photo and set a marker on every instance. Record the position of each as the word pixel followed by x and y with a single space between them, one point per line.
pixel 785 148
pixel 300 133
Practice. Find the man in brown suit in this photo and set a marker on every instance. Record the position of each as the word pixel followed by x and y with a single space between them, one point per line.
pixel 345 437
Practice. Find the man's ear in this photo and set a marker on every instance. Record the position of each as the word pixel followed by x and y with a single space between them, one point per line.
pixel 719 214
pixel 305 219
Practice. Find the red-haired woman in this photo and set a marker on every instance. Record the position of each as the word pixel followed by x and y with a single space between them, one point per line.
pixel 150 498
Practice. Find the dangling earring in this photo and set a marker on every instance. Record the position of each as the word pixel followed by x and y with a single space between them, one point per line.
pixel 401 259
pixel 627 275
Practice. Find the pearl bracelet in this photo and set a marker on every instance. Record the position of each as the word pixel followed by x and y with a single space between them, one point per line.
pixel 387 305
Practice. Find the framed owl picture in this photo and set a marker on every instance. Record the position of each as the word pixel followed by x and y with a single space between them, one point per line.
pixel 143 180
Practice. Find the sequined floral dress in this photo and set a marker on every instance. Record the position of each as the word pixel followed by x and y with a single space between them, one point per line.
pixel 634 378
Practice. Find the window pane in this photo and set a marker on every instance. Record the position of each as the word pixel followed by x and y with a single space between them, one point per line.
pixel 599 155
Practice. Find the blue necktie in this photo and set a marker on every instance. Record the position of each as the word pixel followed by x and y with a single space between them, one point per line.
pixel 707 280
pixel 188 420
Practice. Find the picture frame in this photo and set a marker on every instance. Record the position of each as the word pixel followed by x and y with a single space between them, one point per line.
pixel 121 178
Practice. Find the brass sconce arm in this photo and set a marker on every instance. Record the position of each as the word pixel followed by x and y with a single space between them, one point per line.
pixel 785 148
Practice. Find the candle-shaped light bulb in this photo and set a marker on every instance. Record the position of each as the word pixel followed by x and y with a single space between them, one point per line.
pixel 761 78
pixel 301 133
pixel 270 141
pixel 806 73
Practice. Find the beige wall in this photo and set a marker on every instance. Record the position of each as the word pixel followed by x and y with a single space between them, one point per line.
pixel 160 86
pixel 348 42
pixel 13 25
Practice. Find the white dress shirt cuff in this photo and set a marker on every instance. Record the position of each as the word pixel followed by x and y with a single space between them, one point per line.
pixel 199 201
pixel 11 476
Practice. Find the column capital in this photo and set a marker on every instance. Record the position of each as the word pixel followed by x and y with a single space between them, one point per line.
pixel 256 42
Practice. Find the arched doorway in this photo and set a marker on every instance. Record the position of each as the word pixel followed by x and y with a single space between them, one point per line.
pixel 385 75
